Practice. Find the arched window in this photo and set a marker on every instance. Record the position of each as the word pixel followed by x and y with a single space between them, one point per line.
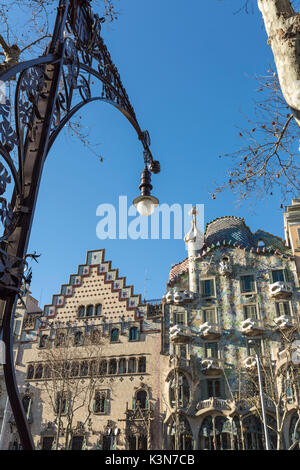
pixel 30 372
pixel 43 341
pixel 26 401
pixel 98 310
pixel 122 366
pixel 81 311
pixel 78 338
pixel 261 243
pixel 142 364
pixel 253 435
pixel 294 433
pixel 206 437
pixel 90 311
pixel 103 367
pixel 39 372
pixel 132 365
pixel 183 390
pixel 112 366
pixel 133 333
pixel 223 434
pixel 114 335
pixel 141 398
pixel 84 369
pixel 186 441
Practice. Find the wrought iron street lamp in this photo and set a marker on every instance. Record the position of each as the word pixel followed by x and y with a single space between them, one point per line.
pixel 253 343
pixel 73 72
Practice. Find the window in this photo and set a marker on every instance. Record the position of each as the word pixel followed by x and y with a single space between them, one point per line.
pixel 142 364
pixel 26 402
pixel 98 310
pixel 103 367
pixel 122 366
pixel 107 442
pixel 282 308
pixel 183 390
pixel 81 311
pixel 30 372
pixel 43 341
pixel 247 284
pixel 179 318
pixel 95 337
pixel 75 369
pixel 114 335
pixel 211 350
pixel 47 442
pixel 209 315
pixel 133 333
pixel 214 388
pixel 132 365
pixel 47 372
pixel 77 443
pixel 207 288
pixel 90 311
pixel 84 369
pixel 137 442
pixel 250 311
pixel 112 366
pixel 142 399
pixel 252 347
pixel 100 401
pixel 61 403
pixel 78 338
pixel 60 340
pixel 39 372
pixel 277 276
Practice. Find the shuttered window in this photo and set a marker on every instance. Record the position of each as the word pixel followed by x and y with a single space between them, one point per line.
pixel 250 311
pixel 209 315
pixel 283 308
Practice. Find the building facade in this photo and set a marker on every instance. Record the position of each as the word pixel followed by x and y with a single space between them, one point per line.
pixel 98 369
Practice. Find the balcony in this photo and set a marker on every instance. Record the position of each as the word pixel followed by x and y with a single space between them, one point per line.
pixel 180 334
pixel 209 331
pixel 250 363
pixel 212 366
pixel 285 322
pixel 213 403
pixel 281 290
pixel 286 356
pixel 178 297
pixel 252 327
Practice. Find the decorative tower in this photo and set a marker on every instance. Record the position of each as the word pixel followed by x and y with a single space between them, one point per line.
pixel 194 241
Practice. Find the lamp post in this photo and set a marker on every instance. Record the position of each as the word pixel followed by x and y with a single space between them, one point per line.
pixel 73 72
pixel 253 343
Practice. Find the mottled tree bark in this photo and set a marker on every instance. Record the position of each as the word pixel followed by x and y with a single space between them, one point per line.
pixel 282 25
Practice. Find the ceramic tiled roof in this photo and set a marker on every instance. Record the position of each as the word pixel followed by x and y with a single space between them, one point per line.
pixel 233 231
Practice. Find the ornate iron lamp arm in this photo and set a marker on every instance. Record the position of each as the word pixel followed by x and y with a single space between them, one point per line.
pixel 49 91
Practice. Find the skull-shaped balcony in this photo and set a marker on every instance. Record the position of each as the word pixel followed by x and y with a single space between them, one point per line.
pixel 177 297
pixel 285 322
pixel 281 290
pixel 212 366
pixel 250 363
pixel 180 334
pixel 252 327
pixel 209 330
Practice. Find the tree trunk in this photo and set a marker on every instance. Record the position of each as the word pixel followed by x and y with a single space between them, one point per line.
pixel 283 28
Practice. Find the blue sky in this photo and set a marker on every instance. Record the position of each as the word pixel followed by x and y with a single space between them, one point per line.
pixel 187 68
